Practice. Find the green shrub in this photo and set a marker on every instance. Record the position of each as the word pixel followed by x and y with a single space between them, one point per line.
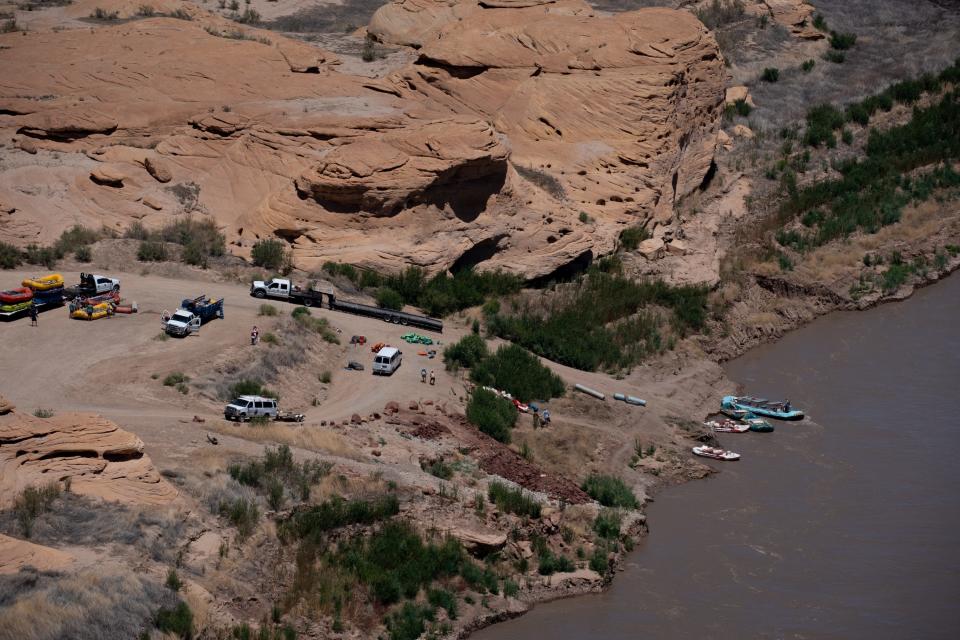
pixel 607 524
pixel 269 254
pixel 807 66
pixel 600 560
pixel 438 468
pixel 242 514
pixel 270 338
pixel 410 621
pixel 83 254
pixel 175 378
pixel 313 523
pixel 325 377
pixel 836 57
pixel 742 107
pixel 842 41
pixel 267 310
pixel 443 599
pixel 510 588
pixel 631 237
pixel 610 491
pixel 151 251
pixel 173 580
pixel 550 563
pixel 493 415
pixel 305 320
pixel 515 370
pixel 819 22
pixel 43 413
pixel 10 256
pixel 468 352
pixel 246 387
pixel 602 321
pixel 770 74
pixel 46 256
pixel 387 298
pixel 33 502
pixel 178 621
pixel 513 500
pixel 718 13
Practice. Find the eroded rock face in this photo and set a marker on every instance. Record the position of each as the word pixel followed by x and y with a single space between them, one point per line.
pixel 400 169
pixel 520 120
pixel 620 110
pixel 100 458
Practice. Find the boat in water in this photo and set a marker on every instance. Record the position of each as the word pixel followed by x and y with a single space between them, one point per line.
pixel 758 425
pixel 716 453
pixel 762 407
pixel 727 426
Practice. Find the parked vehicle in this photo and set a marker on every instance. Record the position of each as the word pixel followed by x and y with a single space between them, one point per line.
pixel 92 284
pixel 191 314
pixel 387 361
pixel 283 289
pixel 763 407
pixel 289 416
pixel 244 408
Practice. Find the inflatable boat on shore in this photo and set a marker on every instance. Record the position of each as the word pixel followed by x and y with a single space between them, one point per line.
pixel 762 407
pixel 716 453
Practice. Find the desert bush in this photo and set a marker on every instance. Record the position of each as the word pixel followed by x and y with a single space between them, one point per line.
pixel 269 254
pixel 819 22
pixel 510 588
pixel 443 599
pixel 277 468
pixel 872 191
pixel 146 11
pixel 173 580
pixel 10 256
pixel 822 120
pixel 369 53
pixel 493 415
pixel 181 14
pixel 600 560
pixel 409 622
pixel 602 320
pixel 249 16
pixel 513 500
pixel 807 65
pixel 100 13
pixel 46 256
pixel 314 522
pixel 151 251
pixel 9 26
pixel 842 41
pixel 199 237
pixel 438 468
pixel 43 413
pixel 834 56
pixel 325 377
pixel 719 13
pixel 607 524
pixel 610 491
pixel 387 298
pixel 468 352
pixel 83 254
pixel 242 514
pixel 631 237
pixel 267 310
pixel 515 370
pixel 547 182
pixel 177 620
pixel 305 320
pixel 770 74
pixel 549 563
pixel 175 378
pixel 75 238
pixel 270 338
pixel 247 387
pixel 32 502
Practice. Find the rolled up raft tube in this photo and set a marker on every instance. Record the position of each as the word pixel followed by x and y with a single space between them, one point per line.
pixel 590 392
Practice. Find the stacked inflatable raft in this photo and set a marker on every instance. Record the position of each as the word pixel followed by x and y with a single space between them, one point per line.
pixel 34 292
pixel 101 306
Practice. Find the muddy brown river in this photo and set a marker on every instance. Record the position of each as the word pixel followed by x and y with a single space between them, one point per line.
pixel 843 526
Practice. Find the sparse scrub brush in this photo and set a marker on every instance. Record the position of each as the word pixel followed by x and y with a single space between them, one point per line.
pixel 770 74
pixel 610 491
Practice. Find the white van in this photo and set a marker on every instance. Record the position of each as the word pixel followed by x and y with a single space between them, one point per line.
pixel 387 361
pixel 246 407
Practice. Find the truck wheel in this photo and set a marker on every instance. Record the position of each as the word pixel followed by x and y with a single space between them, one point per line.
pixel 243 417
pixel 307 302
pixel 259 293
pixel 388 318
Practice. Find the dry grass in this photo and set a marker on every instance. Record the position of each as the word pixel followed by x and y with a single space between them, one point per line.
pixel 94 605
pixel 558 448
pixel 318 439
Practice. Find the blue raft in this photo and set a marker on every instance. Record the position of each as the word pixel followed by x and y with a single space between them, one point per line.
pixel 762 407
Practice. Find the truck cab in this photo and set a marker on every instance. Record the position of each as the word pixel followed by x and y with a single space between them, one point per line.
pixel 276 288
pixel 181 323
pixel 243 408
pixel 387 361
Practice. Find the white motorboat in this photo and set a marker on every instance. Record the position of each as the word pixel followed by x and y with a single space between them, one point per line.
pixel 716 453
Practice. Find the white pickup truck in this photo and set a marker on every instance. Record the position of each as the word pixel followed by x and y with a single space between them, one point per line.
pixel 92 284
pixel 181 323
pixel 283 289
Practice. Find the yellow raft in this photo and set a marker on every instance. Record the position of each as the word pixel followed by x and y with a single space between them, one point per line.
pixel 92 312
pixel 51 281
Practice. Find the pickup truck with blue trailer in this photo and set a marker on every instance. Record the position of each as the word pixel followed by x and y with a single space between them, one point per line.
pixel 191 314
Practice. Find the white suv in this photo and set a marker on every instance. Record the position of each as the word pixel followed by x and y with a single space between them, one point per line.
pixel 246 407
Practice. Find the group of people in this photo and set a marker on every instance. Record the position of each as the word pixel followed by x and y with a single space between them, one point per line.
pixel 423 376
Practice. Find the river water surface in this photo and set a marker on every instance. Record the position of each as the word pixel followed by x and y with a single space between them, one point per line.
pixel 843 526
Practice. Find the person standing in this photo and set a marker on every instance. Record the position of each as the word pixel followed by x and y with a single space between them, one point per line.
pixel 536 419
pixel 423 376
pixel 433 377
pixel 254 335
pixel 33 315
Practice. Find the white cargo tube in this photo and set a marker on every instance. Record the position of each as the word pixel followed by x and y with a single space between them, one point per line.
pixel 589 391
pixel 635 400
